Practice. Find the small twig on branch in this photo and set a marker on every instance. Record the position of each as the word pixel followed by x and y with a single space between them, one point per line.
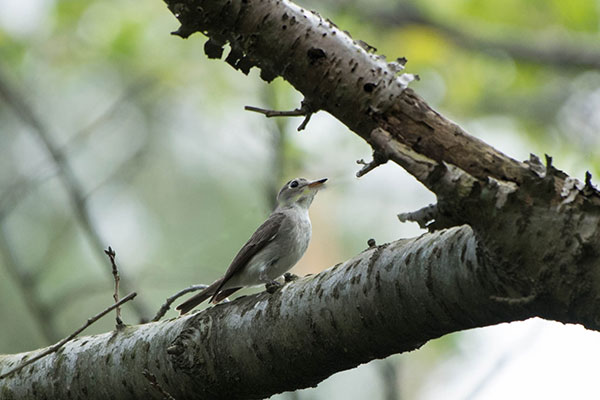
pixel 378 159
pixel 154 383
pixel 423 216
pixel 115 271
pixel 167 304
pixel 588 179
pixel 60 344
pixel 298 112
pixel 304 110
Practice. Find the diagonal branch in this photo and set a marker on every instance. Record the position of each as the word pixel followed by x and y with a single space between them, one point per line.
pixel 513 208
pixel 70 182
pixel 524 46
pixel 39 309
pixel 335 74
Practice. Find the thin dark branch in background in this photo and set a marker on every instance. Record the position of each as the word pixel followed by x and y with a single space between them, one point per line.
pixel 167 304
pixel 67 175
pixel 125 170
pixel 115 272
pixel 41 313
pixel 133 90
pixel 53 248
pixel 75 294
pixel 501 362
pixel 19 189
pixel 58 345
pixel 388 372
pixel 558 53
pixel 277 145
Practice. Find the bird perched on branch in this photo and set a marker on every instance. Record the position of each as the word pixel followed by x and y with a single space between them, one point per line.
pixel 272 250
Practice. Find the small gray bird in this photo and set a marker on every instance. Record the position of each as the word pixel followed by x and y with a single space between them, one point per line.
pixel 272 250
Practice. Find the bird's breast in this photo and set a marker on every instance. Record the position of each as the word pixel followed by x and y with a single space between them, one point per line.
pixel 292 244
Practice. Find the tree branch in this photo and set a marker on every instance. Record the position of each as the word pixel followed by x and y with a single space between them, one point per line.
pixel 41 313
pixel 533 230
pixel 381 302
pixel 52 349
pixel 66 173
pixel 523 46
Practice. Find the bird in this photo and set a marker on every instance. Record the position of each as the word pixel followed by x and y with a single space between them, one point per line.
pixel 274 248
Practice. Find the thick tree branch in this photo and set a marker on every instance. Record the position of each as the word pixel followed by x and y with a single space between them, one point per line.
pixel 388 299
pixel 335 74
pixel 531 248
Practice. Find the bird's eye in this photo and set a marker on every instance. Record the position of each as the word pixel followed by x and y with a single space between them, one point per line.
pixel 293 184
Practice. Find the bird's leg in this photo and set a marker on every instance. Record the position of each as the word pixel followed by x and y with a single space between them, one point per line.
pixel 271 285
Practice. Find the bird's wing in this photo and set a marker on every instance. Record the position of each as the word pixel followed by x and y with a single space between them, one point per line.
pixel 265 234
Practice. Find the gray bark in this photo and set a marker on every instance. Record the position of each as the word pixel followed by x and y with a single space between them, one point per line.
pixel 388 299
pixel 531 246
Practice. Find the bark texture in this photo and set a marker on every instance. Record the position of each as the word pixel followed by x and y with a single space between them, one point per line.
pixel 530 246
pixel 388 299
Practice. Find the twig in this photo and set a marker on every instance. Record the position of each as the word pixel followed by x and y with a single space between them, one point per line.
pixel 167 304
pixel 378 159
pixel 304 110
pixel 588 179
pixel 115 271
pixel 58 345
pixel 154 383
pixel 298 112
pixel 423 216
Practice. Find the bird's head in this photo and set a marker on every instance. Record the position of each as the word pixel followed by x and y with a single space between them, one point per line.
pixel 299 191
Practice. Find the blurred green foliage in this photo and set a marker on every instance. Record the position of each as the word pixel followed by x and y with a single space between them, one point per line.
pixel 175 175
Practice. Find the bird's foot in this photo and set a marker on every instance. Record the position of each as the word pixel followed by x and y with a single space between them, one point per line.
pixel 289 277
pixel 272 286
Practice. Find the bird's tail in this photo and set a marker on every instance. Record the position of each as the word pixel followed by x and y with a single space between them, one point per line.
pixel 198 298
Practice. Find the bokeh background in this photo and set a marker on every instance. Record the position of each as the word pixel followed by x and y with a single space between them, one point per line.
pixel 113 132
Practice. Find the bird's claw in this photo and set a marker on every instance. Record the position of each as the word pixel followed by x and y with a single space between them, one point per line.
pixel 289 277
pixel 272 287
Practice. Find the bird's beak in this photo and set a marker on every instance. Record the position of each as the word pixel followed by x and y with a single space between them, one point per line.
pixel 316 183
